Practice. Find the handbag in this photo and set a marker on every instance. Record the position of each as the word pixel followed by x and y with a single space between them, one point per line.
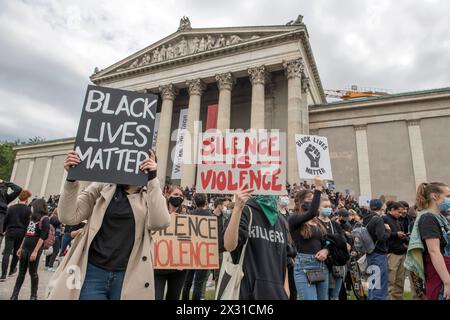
pixel 231 274
pixel 315 276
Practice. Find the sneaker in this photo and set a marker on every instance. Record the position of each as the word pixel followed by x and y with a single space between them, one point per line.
pixel 2 279
pixel 51 269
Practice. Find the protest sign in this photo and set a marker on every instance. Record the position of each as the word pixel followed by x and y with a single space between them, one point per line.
pixel 313 157
pixel 114 136
pixel 178 157
pixel 190 242
pixel 228 161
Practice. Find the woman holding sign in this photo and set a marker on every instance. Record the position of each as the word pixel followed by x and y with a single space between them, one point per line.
pixel 111 258
pixel 174 279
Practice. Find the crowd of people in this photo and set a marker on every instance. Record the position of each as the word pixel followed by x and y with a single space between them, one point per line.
pixel 310 244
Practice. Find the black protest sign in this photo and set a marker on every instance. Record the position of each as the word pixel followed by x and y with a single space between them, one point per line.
pixel 114 136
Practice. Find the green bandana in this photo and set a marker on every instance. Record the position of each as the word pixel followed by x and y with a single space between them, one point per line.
pixel 269 205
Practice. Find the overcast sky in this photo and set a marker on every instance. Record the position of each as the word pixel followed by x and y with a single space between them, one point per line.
pixel 48 49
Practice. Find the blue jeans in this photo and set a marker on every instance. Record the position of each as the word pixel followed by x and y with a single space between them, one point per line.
pixel 307 291
pixel 100 284
pixel 66 240
pixel 377 268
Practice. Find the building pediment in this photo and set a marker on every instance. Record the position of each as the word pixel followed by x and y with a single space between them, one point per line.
pixel 191 44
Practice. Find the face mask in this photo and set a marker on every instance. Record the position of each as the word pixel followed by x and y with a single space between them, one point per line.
pixel 176 201
pixel 326 212
pixel 224 210
pixel 284 201
pixel 305 206
pixel 444 206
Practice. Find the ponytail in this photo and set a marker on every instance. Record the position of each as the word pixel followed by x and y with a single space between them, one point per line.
pixel 424 191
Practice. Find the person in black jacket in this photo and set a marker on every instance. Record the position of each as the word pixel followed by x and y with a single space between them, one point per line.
pixel 50 259
pixel 265 265
pixel 377 260
pixel 291 250
pixel 396 251
pixel 31 249
pixel 5 199
pixel 15 224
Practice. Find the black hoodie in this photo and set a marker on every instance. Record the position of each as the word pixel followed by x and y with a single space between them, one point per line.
pixel 5 197
pixel 265 259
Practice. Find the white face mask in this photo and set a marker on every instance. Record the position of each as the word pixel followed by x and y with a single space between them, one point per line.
pixel 224 210
pixel 284 201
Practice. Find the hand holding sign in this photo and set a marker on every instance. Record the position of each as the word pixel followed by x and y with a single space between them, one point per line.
pixel 72 160
pixel 318 183
pixel 150 163
pixel 241 196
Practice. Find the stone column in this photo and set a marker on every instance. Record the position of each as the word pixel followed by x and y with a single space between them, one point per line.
pixel 225 82
pixel 29 173
pixel 269 105
pixel 168 93
pixel 417 155
pixel 46 174
pixel 293 71
pixel 365 187
pixel 196 88
pixel 258 77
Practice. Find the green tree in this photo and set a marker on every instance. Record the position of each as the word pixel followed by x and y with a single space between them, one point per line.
pixel 7 156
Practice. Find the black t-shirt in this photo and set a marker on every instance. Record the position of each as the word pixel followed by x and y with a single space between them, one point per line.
pixel 429 228
pixel 265 260
pixel 17 220
pixel 54 221
pixel 36 231
pixel 112 245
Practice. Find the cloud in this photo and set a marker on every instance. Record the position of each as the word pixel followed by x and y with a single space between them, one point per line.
pixel 49 48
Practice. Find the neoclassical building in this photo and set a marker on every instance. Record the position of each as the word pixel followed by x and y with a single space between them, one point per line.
pixel 266 77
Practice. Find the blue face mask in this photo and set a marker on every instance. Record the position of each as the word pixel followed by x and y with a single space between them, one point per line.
pixel 326 212
pixel 444 206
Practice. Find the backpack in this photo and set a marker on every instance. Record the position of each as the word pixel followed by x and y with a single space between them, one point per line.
pixel 362 240
pixel 51 238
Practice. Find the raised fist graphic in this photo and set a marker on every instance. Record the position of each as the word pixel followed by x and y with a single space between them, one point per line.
pixel 313 155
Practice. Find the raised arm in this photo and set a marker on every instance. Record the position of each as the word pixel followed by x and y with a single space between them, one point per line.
pixel 297 220
pixel 16 191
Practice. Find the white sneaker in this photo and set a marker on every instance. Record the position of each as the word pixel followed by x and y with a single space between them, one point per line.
pixel 51 269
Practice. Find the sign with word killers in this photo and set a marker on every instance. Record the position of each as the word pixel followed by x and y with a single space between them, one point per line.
pixel 228 161
pixel 114 136
pixel 190 242
pixel 313 156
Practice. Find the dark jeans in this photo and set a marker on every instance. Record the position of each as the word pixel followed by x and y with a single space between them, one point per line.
pixel 12 244
pixel 32 267
pixel 100 284
pixel 175 281
pixel 378 288
pixel 198 278
pixel 50 260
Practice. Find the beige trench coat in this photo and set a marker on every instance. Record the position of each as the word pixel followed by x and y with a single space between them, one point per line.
pixel 150 214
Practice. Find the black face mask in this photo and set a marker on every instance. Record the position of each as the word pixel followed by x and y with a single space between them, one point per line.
pixel 306 206
pixel 176 201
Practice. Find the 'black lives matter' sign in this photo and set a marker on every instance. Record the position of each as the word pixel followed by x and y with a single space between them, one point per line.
pixel 114 136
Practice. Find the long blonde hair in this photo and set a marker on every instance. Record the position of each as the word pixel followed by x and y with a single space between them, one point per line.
pixel 424 191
